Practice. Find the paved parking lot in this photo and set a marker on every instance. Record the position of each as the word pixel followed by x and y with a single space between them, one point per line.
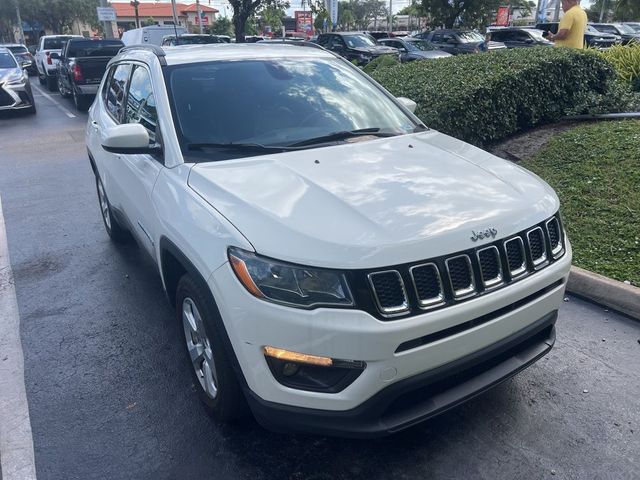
pixel 109 389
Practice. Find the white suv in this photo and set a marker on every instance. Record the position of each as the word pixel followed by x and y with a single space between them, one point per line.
pixel 336 266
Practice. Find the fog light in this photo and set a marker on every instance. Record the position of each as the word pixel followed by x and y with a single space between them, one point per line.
pixel 311 372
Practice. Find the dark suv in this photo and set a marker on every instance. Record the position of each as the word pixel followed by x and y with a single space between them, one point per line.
pixel 459 41
pixel 354 46
pixel 592 37
pixel 520 37
pixel 625 32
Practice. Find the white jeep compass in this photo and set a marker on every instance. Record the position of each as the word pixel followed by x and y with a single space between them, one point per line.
pixel 336 266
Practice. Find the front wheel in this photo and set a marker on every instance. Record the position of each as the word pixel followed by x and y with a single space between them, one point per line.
pixel 210 366
pixel 52 83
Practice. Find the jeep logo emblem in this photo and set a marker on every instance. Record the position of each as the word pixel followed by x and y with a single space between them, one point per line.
pixel 482 234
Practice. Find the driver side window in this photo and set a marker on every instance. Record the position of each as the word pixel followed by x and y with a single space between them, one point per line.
pixel 141 104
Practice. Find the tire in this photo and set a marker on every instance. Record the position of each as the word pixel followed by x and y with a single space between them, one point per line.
pixel 116 233
pixel 32 109
pixel 52 83
pixel 199 319
pixel 81 102
pixel 41 79
pixel 64 93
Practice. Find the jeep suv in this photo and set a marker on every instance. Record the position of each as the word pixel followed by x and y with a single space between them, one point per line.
pixel 334 265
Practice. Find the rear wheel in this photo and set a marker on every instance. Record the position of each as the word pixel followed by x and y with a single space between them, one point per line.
pixel 64 93
pixel 41 78
pixel 52 83
pixel 111 225
pixel 81 102
pixel 210 366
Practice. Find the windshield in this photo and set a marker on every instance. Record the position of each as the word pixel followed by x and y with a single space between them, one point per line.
pixel 54 43
pixel 470 37
pixel 94 48
pixel 275 102
pixel 359 41
pixel 592 30
pixel 423 45
pixel 18 49
pixel 635 27
pixel 625 29
pixel 7 60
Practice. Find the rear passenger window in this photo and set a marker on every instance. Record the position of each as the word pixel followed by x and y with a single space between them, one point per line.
pixel 116 91
pixel 141 104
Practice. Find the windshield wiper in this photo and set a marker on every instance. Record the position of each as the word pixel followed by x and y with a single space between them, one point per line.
pixel 236 146
pixel 336 136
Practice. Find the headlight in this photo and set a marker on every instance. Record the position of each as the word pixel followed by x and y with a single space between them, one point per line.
pixel 15 80
pixel 289 284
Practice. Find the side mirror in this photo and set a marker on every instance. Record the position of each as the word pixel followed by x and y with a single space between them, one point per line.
pixel 128 139
pixel 25 64
pixel 55 55
pixel 407 103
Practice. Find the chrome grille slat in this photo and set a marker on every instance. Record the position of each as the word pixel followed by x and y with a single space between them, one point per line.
pixel 460 275
pixel 389 292
pixel 428 285
pixel 490 266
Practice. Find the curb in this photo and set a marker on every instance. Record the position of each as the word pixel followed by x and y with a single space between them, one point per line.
pixel 605 291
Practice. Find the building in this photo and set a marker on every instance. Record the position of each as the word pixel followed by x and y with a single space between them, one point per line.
pixel 162 14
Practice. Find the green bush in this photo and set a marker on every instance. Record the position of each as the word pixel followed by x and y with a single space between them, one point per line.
pixel 485 97
pixel 626 60
pixel 383 61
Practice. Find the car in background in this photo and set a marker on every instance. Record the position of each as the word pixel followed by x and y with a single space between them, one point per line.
pixel 625 32
pixel 15 88
pixel 224 38
pixel 592 37
pixel 46 65
pixel 634 25
pixel 458 42
pixel 253 38
pixel 189 39
pixel 517 37
pixel 153 34
pixel 414 49
pixel 23 56
pixel 354 46
pixel 378 35
pixel 81 65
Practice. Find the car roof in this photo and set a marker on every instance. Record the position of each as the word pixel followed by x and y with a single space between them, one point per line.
pixel 346 33
pixel 186 54
pixel 7 45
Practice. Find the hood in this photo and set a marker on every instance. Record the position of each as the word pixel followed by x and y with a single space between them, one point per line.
pixel 376 50
pixel 6 73
pixel 491 45
pixel 430 54
pixel 373 203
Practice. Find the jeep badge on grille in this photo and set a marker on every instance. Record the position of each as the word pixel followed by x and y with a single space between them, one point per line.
pixel 489 232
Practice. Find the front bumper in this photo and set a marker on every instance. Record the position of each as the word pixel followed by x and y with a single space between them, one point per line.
pixel 416 399
pixel 15 97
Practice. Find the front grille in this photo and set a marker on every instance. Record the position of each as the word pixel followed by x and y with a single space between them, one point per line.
pixel 5 98
pixel 460 276
pixel 389 292
pixel 537 248
pixel 443 281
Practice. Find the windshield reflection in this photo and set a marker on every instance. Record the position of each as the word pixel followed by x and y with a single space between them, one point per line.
pixel 275 102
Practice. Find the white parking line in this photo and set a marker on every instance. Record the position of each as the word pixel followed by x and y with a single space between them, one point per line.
pixel 50 98
pixel 16 443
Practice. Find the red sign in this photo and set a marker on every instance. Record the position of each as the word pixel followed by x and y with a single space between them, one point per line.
pixel 205 20
pixel 304 22
pixel 503 17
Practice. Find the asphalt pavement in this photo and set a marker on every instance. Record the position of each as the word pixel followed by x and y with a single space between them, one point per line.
pixel 110 394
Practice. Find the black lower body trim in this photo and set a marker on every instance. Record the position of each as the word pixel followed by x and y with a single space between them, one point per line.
pixel 418 398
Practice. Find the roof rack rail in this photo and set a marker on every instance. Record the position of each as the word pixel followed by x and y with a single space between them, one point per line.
pixel 158 51
pixel 288 41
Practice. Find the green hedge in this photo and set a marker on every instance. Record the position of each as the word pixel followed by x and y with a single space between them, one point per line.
pixel 626 60
pixel 482 98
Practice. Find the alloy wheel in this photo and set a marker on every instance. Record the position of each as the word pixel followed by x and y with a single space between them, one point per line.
pixel 199 348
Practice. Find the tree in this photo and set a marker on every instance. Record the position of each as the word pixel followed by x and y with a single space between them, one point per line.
pixel 467 13
pixel 222 26
pixel 149 21
pixel 57 15
pixel 271 15
pixel 243 9
pixel 321 16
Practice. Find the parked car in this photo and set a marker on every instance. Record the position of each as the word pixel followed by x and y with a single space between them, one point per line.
pixel 152 34
pixel 23 56
pixel 224 38
pixel 46 65
pixel 351 273
pixel 189 39
pixel 413 48
pixel 15 88
pixel 458 42
pixel 625 32
pixel 517 37
pixel 634 25
pixel 378 35
pixel 592 37
pixel 81 65
pixel 354 46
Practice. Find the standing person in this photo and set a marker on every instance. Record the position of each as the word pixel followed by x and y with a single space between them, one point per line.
pixel 572 26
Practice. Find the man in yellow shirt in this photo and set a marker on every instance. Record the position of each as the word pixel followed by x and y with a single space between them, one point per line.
pixel 572 26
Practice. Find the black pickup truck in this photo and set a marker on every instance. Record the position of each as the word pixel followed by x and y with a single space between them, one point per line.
pixel 81 67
